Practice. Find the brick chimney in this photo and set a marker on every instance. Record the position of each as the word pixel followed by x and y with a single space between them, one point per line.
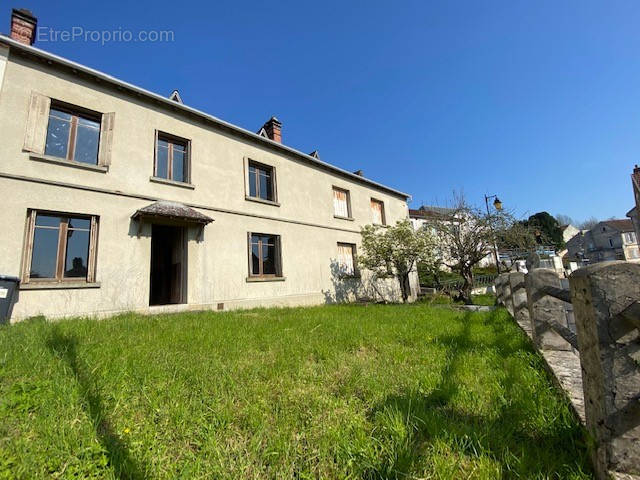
pixel 273 129
pixel 23 26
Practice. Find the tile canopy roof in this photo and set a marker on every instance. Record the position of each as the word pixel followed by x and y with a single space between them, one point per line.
pixel 172 211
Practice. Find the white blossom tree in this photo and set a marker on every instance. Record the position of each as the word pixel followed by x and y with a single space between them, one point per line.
pixel 394 251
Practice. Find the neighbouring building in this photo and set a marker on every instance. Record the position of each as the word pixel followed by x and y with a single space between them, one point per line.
pixel 426 213
pixel 568 232
pixel 118 199
pixel 633 213
pixel 606 241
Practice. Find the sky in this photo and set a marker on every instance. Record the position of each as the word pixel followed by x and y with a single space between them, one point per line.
pixel 537 102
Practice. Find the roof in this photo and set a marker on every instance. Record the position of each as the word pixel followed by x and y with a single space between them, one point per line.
pixel 426 211
pixel 172 211
pixel 625 225
pixel 141 92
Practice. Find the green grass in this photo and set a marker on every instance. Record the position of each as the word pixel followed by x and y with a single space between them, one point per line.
pixel 384 391
pixel 485 299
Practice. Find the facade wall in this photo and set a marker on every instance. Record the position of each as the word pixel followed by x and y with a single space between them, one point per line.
pixel 217 263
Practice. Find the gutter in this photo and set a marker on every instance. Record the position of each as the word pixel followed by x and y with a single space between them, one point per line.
pixel 100 76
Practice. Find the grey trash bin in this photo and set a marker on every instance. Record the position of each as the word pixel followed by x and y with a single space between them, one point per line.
pixel 8 289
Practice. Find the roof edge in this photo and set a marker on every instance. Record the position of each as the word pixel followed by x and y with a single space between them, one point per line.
pixel 172 104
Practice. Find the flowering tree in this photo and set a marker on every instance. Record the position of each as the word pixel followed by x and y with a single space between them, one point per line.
pixel 465 237
pixel 394 251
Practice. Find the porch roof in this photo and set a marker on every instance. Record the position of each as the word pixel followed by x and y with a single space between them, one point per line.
pixel 172 211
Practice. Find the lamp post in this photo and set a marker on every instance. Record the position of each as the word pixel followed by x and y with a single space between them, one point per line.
pixel 497 204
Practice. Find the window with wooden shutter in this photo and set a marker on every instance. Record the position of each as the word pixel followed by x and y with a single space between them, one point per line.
pixel 74 134
pixel 377 212
pixel 60 247
pixel 347 259
pixel 341 203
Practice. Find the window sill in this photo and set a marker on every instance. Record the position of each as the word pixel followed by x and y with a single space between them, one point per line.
pixel 265 279
pixel 340 217
pixel 166 181
pixel 68 163
pixel 383 225
pixel 261 200
pixel 57 285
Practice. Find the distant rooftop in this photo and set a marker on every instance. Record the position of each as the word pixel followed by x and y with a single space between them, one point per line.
pixel 429 211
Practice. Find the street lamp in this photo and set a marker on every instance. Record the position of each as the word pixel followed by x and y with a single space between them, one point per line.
pixel 497 204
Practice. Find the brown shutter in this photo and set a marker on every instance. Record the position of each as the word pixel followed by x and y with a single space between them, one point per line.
pixel 37 121
pixel 106 139
pixel 278 256
pixel 155 154
pixel 249 253
pixel 93 250
pixel 28 246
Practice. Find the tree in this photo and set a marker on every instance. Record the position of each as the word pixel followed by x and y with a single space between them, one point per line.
pixel 394 251
pixel 520 238
pixel 589 223
pixel 548 228
pixel 466 237
pixel 564 219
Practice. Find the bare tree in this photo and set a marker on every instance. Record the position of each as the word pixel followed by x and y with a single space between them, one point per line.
pixel 466 237
pixel 564 219
pixel 589 223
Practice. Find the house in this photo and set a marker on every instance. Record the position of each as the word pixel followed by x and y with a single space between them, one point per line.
pixel 427 213
pixel 118 199
pixel 608 240
pixel 568 232
pixel 633 213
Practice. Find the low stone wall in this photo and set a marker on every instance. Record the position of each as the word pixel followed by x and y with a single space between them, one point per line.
pixel 592 326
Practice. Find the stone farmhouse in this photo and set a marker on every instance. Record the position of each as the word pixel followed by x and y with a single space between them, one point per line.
pixel 119 199
pixel 606 241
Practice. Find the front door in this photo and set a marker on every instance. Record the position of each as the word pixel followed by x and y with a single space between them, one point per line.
pixel 168 265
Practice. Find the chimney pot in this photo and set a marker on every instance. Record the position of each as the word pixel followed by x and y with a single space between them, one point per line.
pixel 23 26
pixel 273 129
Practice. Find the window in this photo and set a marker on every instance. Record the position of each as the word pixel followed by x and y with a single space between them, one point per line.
pixel 377 210
pixel 73 135
pixel 634 253
pixel 341 203
pixel 264 255
pixel 630 237
pixel 60 247
pixel 261 182
pixel 347 258
pixel 611 242
pixel 172 158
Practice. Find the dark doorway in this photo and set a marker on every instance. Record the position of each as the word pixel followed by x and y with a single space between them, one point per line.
pixel 168 265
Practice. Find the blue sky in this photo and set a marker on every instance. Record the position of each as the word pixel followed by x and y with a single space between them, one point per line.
pixel 538 102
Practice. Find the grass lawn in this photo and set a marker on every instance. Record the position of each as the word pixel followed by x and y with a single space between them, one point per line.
pixel 385 391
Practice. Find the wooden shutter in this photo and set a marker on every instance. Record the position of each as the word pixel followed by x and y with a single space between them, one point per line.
pixel 28 246
pixel 37 122
pixel 93 250
pixel 278 256
pixel 155 154
pixel 106 139
pixel 340 206
pixel 376 209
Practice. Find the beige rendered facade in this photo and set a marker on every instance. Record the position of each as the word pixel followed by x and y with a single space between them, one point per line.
pixel 215 265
